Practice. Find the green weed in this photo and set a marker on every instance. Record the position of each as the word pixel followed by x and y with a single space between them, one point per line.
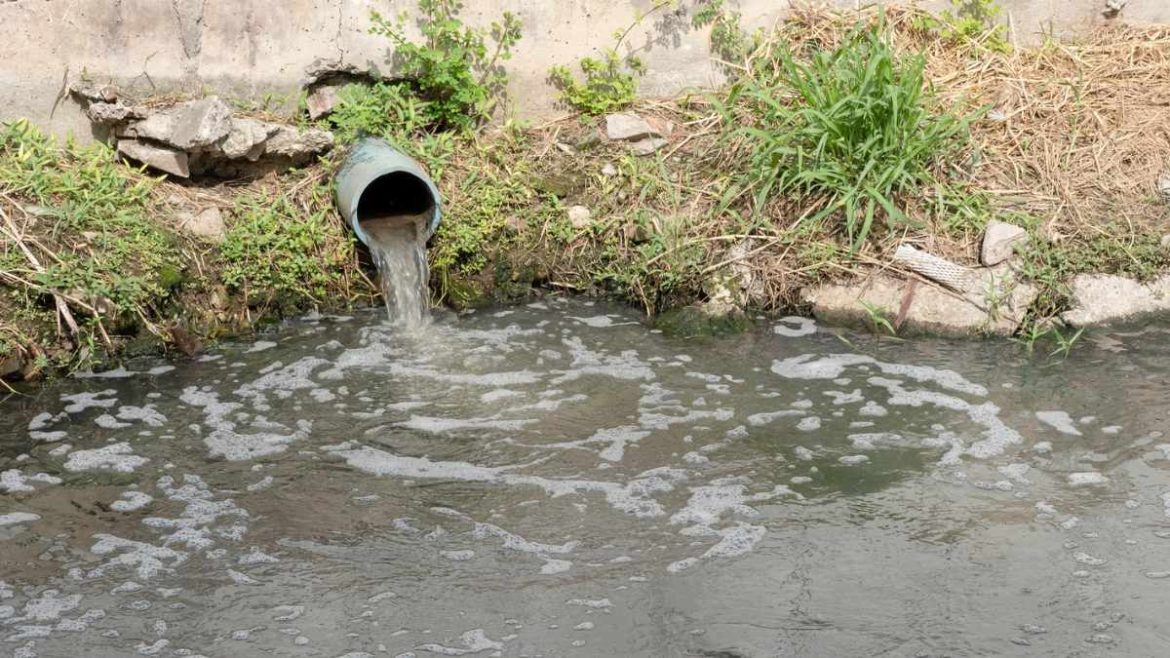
pixel 850 130
pixel 77 240
pixel 453 71
pixel 609 82
pixel 284 255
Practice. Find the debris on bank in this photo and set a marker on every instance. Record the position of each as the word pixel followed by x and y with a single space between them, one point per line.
pixel 201 137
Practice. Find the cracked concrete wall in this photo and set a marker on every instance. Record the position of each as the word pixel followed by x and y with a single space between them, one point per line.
pixel 250 48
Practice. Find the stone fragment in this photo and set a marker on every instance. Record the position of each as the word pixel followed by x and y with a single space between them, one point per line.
pixel 246 138
pixel 999 242
pixel 112 113
pixel 289 142
pixel 165 159
pixel 609 171
pixel 207 223
pixel 321 101
pixel 1106 298
pixel 647 146
pixel 580 217
pixel 188 126
pixel 927 309
pixel 627 126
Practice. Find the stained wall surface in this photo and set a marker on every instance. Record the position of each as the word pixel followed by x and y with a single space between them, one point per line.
pixel 250 48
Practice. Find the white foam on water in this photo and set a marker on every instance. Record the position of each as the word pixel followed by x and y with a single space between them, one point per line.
pixel 599 321
pixel 632 497
pixel 106 421
pixel 1087 479
pixel 499 394
pixel 147 415
pixel 552 566
pixel 437 425
pixel 474 641
pixel 14 481
pixel 593 604
pixel 261 484
pixel 457 556
pixel 812 366
pixel 873 409
pixel 79 402
pixel 146 560
pixel 853 460
pixel 809 424
pixel 1060 421
pixel 764 418
pixel 517 543
pixel 840 397
pixel 131 501
pixel 623 366
pixel 260 346
pixel 117 457
pixel 16 518
pixel 870 440
pixel 241 578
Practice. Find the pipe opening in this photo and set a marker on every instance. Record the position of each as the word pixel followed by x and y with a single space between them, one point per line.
pixel 395 199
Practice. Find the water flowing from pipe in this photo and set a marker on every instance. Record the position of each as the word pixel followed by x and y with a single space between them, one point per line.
pixel 398 247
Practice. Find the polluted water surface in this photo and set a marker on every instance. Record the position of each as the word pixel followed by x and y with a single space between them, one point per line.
pixel 557 480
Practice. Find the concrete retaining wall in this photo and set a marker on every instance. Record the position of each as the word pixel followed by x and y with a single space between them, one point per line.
pixel 249 48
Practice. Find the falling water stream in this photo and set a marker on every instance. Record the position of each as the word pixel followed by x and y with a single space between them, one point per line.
pixel 558 480
pixel 398 246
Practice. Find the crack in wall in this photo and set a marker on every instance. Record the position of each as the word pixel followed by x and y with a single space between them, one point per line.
pixel 189 14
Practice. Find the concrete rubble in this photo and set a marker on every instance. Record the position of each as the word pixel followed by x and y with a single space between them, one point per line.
pixel 918 307
pixel 201 137
pixel 1000 241
pixel 1100 299
pixel 643 137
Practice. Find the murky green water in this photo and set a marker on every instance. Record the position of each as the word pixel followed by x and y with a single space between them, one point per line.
pixel 555 480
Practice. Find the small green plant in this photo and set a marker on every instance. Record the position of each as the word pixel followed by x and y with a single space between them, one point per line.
pixel 878 320
pixel 282 255
pixel 849 129
pixel 974 21
pixel 1064 342
pixel 729 41
pixel 78 244
pixel 453 71
pixel 610 82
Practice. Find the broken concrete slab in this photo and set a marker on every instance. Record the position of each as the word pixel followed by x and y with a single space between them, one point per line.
pixel 922 308
pixel 169 160
pixel 1101 299
pixel 627 127
pixel 192 125
pixel 298 145
pixel 1000 241
pixel 246 138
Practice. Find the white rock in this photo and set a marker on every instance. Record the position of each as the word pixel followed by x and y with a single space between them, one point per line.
pixel 162 158
pixel 999 242
pixel 580 217
pixel 1104 298
pixel 627 126
pixel 207 224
